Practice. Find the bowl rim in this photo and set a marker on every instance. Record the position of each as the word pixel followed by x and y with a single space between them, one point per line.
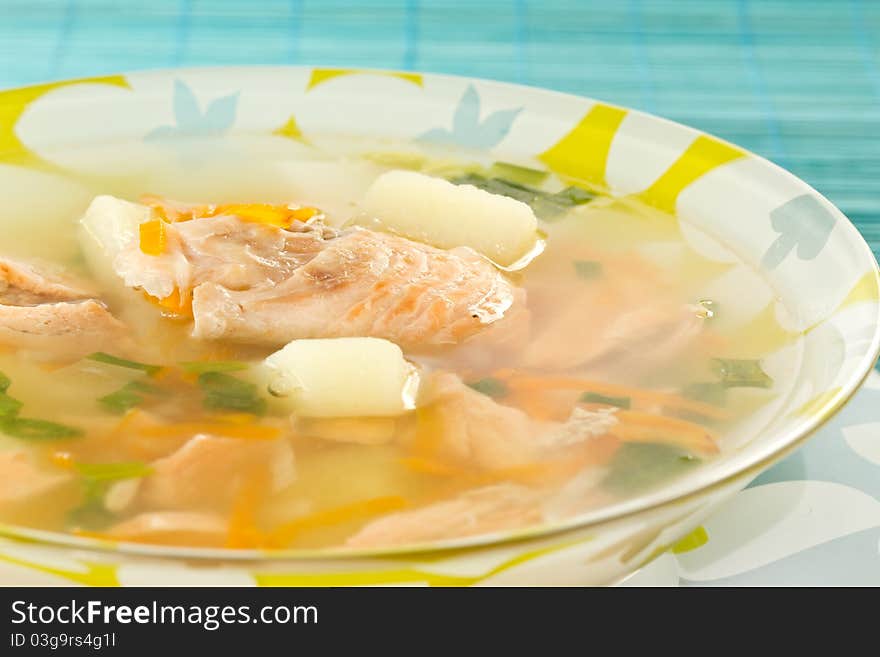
pixel 655 500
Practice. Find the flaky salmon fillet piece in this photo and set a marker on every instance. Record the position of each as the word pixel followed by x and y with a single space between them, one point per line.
pixel 207 471
pixel 621 324
pixel 22 480
pixel 42 312
pixel 264 284
pixel 191 528
pixel 473 429
pixel 480 511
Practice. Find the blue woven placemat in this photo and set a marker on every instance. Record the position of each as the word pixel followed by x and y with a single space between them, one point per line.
pixel 797 81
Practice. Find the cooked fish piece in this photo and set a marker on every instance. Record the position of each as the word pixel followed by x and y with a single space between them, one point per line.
pixel 207 471
pixel 474 429
pixel 38 311
pixel 190 528
pixel 622 328
pixel 225 250
pixel 491 509
pixel 22 480
pixel 21 284
pixel 364 284
pixel 260 283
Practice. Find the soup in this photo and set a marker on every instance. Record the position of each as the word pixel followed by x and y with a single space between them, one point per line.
pixel 353 346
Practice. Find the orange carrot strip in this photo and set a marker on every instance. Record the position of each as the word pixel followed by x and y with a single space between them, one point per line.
pixel 175 212
pixel 596 451
pixel 152 237
pixel 243 530
pixel 125 423
pixel 176 303
pixel 647 428
pixel 530 383
pixel 286 533
pixel 62 459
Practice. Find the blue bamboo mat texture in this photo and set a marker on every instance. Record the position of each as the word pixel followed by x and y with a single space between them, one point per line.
pixel 797 81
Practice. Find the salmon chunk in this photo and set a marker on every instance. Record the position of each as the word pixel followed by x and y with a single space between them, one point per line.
pixel 260 283
pixel 21 480
pixel 207 471
pixel 497 508
pixel 622 328
pixel 191 528
pixel 364 283
pixel 473 428
pixel 43 313
pixel 224 250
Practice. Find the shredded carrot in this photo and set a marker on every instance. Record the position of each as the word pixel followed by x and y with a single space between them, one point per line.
pixel 280 216
pixel 175 212
pixel 178 303
pixel 243 530
pixel 153 237
pixel 234 418
pixel 263 213
pixel 537 406
pixel 226 429
pixel 529 383
pixel 125 423
pixel 175 303
pixel 596 451
pixel 362 510
pixel 644 427
pixel 62 459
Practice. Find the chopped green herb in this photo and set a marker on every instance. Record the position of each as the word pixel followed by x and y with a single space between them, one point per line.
pixel 596 398
pixel 33 429
pixel 741 373
pixel 91 514
pixel 143 386
pixel 102 357
pixel 9 406
pixel 128 396
pixel 711 392
pixel 588 269
pixel 639 466
pixel 4 382
pixel 575 195
pixel 114 471
pixel 224 392
pixel 97 477
pixel 502 187
pixel 201 366
pixel 121 400
pixel 489 387
pixel 520 174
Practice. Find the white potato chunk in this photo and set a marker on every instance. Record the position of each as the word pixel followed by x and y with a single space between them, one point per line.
pixel 342 377
pixel 108 226
pixel 437 212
